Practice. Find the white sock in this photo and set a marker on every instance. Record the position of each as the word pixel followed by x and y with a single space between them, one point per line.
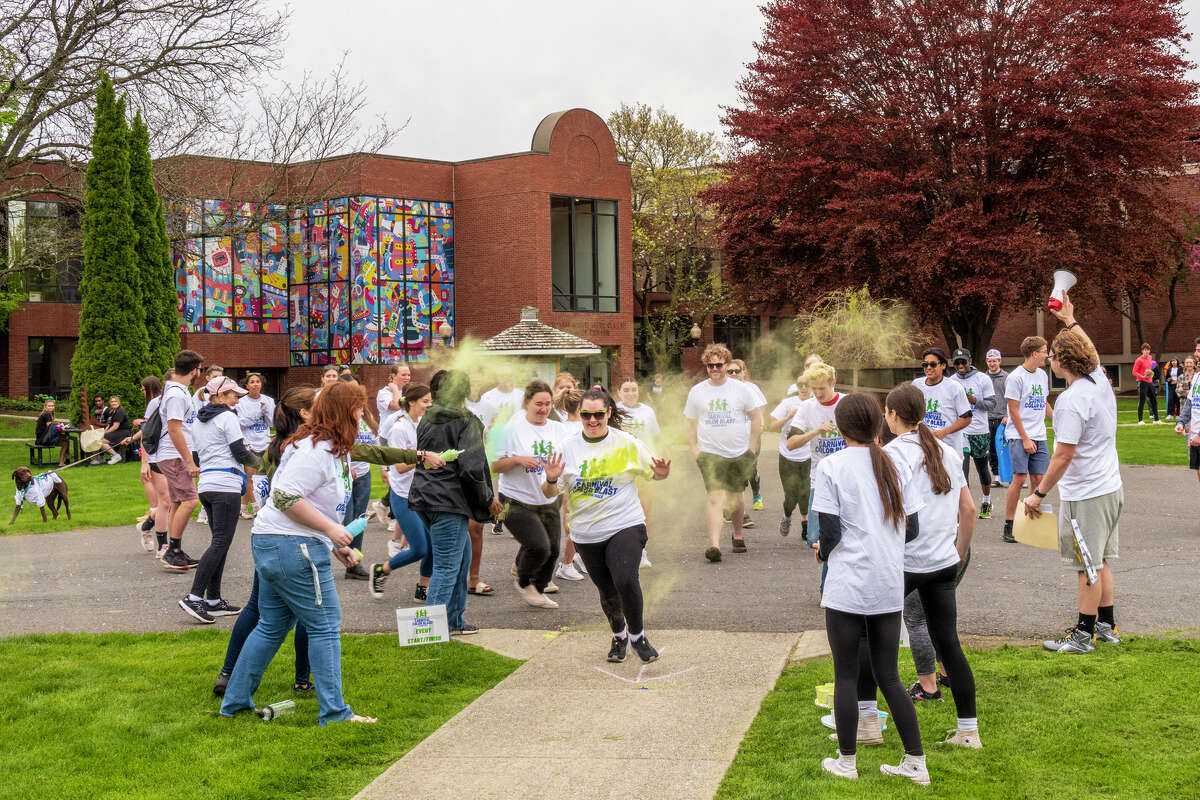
pixel 214 603
pixel 623 634
pixel 968 723
pixel 868 707
pixel 637 637
pixel 194 598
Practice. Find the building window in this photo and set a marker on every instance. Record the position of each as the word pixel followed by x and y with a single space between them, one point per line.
pixel 736 332
pixel 583 254
pixel 37 235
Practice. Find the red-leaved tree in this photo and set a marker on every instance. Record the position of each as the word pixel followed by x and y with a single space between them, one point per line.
pixel 953 153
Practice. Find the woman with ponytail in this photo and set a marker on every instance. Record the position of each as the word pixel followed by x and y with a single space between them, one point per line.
pixel 934 562
pixel 866 512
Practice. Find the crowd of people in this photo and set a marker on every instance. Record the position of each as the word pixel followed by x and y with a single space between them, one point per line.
pixel 881 489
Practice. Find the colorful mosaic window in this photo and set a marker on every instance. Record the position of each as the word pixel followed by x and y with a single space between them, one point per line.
pixel 364 280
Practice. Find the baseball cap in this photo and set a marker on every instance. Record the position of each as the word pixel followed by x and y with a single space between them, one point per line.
pixel 961 354
pixel 222 384
pixel 994 353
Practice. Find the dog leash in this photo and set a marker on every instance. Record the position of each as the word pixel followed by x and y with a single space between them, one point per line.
pixel 83 460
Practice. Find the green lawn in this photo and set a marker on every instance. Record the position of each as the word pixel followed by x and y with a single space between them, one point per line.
pixel 1119 723
pixel 12 427
pixel 124 715
pixel 100 496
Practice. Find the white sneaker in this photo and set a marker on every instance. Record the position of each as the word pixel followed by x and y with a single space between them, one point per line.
pixel 870 732
pixel 842 766
pixel 202 518
pixel 1141 422
pixel 645 561
pixel 578 562
pixel 551 588
pixel 963 739
pixel 391 526
pixel 149 540
pixel 911 767
pixel 162 551
pixel 380 511
pixel 394 548
pixel 247 512
pixel 533 597
pixel 116 459
pixel 567 572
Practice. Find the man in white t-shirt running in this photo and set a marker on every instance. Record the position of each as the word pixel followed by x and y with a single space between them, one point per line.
pixel 1087 472
pixel 722 444
pixel 1027 393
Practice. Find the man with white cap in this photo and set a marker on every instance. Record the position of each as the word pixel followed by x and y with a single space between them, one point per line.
pixel 996 415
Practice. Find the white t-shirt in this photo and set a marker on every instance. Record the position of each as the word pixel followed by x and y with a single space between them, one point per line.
pixel 318 476
pixel 600 481
pixel 176 404
pixel 945 402
pixel 365 436
pixel 642 422
pixel 483 411
pixel 1030 390
pixel 720 413
pixel 255 418
pixel 41 487
pixel 802 453
pixel 934 548
pixel 212 440
pixel 811 415
pixel 759 398
pixel 866 569
pixel 504 404
pixel 1086 416
pixel 383 399
pixel 523 438
pixel 1194 398
pixel 402 433
pixel 979 385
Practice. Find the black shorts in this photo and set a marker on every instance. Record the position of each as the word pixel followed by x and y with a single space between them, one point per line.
pixel 154 468
pixel 726 474
pixel 116 437
pixel 1193 456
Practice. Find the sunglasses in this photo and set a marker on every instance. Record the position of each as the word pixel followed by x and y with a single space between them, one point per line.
pixel 930 364
pixel 734 371
pixel 717 365
pixel 593 414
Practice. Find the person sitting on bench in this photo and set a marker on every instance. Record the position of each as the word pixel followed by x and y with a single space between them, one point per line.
pixel 48 433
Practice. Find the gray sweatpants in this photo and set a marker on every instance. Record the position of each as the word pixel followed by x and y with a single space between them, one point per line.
pixel 925 656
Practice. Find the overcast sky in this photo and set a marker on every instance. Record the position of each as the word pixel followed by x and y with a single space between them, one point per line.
pixel 474 77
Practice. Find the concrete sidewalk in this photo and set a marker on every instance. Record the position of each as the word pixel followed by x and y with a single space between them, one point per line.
pixel 569 724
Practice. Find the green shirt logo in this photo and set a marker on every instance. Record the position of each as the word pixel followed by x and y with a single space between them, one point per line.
pixel 718 404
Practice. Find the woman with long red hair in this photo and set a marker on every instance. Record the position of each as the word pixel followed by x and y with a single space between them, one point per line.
pixel 294 539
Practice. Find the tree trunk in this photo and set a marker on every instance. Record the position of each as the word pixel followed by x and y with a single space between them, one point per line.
pixel 974 329
pixel 1135 316
pixel 1176 277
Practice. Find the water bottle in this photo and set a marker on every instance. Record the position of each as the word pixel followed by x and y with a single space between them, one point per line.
pixel 274 710
pixel 357 525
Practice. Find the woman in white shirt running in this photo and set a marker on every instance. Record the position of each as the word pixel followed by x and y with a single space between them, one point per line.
pixel 865 516
pixel 255 412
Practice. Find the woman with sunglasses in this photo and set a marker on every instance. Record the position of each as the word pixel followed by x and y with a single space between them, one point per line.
pixel 947 409
pixel 599 469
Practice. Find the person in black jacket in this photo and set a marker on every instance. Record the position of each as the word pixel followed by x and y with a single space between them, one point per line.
pixel 48 433
pixel 447 497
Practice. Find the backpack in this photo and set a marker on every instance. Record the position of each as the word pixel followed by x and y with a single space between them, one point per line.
pixel 152 428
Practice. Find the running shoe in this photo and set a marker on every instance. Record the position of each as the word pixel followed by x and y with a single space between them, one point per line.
pixel 1008 537
pixel 944 680
pixel 968 739
pixel 466 630
pixel 747 522
pixel 195 609
pixel 985 511
pixel 116 459
pixel 149 540
pixel 498 528
pixel 202 517
pixel 394 548
pixel 842 766
pixel 421 593
pixel 758 506
pixel 616 653
pixel 222 609
pixel 378 579
pixel 142 518
pixel 644 649
pixel 551 588
pixel 162 551
pixel 713 554
pixel 177 561
pixel 911 767
pixel 246 513
pixel 645 560
pixel 567 572
pixel 1107 633
pixel 1073 641
pixel 785 526
pixel 221 684
pixel 578 562
pixel 380 511
pixel 739 545
pixel 996 483
pixel 917 693
pixel 357 573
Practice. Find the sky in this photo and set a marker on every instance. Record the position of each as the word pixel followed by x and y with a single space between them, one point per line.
pixel 474 77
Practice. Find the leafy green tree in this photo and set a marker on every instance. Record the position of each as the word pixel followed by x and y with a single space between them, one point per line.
pixel 156 276
pixel 853 330
pixel 112 352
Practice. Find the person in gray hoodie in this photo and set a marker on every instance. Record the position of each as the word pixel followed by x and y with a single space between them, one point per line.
pixel 976 445
pixel 996 415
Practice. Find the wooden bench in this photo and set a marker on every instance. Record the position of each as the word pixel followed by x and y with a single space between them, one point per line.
pixel 35 453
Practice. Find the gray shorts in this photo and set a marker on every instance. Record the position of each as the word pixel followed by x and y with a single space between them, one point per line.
pixel 1029 463
pixel 1097 518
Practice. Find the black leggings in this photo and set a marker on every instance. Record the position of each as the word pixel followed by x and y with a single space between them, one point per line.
pixel 883 645
pixel 222 509
pixel 537 528
pixel 613 567
pixel 1146 391
pixel 936 590
pixel 981 467
pixel 794 476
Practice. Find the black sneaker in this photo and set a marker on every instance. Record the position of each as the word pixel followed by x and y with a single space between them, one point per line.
pixel 195 609
pixel 644 649
pixel 616 653
pixel 177 561
pixel 918 694
pixel 713 554
pixel 222 682
pixel 148 524
pixel 222 609
pixel 944 680
pixel 357 573
pixel 747 522
pixel 421 593
pixel 1008 537
pixel 466 630
pixel 378 579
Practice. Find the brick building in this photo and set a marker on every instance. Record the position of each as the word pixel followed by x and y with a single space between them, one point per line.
pixel 397 257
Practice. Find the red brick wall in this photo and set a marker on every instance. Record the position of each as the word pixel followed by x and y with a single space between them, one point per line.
pixel 262 350
pixel 33 320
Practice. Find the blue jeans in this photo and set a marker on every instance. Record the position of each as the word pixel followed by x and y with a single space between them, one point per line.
pixel 814 535
pixel 360 495
pixel 418 539
pixel 287 594
pixel 246 622
pixel 451 562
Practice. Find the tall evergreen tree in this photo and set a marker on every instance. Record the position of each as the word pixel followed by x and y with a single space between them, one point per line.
pixel 112 351
pixel 157 277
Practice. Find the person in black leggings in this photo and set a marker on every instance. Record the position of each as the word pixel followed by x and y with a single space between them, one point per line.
pixel 600 467
pixel 865 516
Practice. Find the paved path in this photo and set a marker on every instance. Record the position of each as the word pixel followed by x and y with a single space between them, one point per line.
pixel 569 724
pixel 101 580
